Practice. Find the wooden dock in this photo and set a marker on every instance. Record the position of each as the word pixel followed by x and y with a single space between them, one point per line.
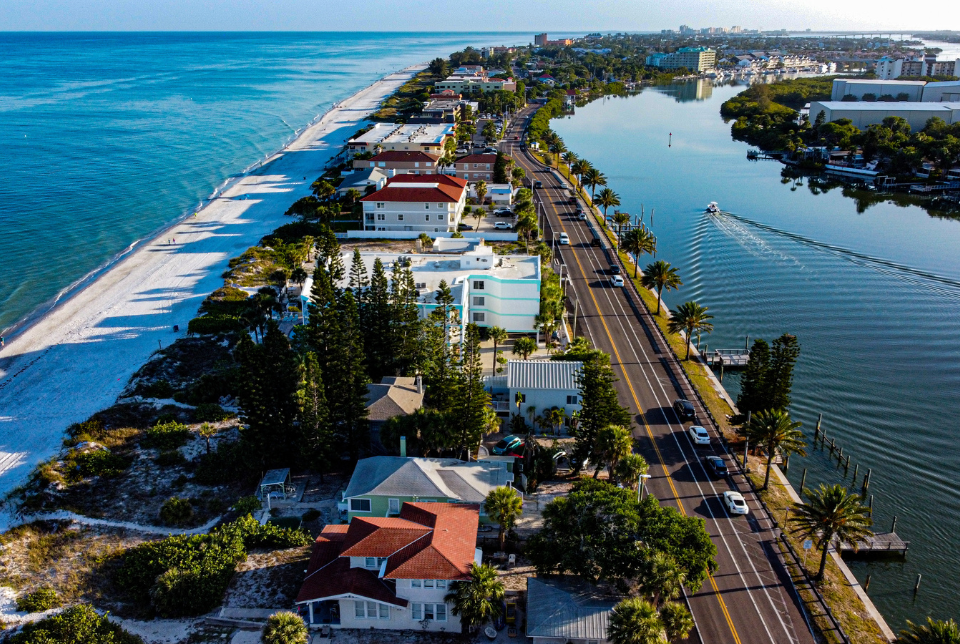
pixel 881 543
pixel 730 358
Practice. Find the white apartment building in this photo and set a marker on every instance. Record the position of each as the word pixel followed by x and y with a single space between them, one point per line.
pixel 417 137
pixel 429 203
pixel 488 289
pixel 857 88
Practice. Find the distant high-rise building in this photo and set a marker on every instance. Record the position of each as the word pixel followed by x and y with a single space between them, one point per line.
pixel 686 29
pixel 736 29
pixel 540 40
pixel 696 59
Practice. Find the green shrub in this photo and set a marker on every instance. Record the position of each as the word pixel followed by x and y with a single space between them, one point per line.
pixel 170 458
pixel 311 515
pixel 221 466
pixel 167 435
pixel 39 600
pixel 176 511
pixel 100 462
pixel 247 505
pixel 284 627
pixel 211 387
pixel 92 429
pixel 211 413
pixel 214 325
pixel 76 625
pixel 158 389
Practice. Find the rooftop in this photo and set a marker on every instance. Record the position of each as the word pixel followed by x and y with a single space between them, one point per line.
pixel 412 133
pixel 404 156
pixel 394 396
pixel 478 158
pixel 542 374
pixel 449 478
pixel 429 188
pixel 567 609
pixel 899 106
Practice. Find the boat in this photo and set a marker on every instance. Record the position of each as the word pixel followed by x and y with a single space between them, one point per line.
pixel 713 208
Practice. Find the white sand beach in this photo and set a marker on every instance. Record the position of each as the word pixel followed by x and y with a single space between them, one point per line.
pixel 77 358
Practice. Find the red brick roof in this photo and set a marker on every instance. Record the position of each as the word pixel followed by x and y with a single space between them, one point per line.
pixel 448 189
pixel 404 157
pixel 478 158
pixel 380 536
pixel 447 552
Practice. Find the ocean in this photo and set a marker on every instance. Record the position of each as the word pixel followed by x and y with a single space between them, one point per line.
pixel 109 137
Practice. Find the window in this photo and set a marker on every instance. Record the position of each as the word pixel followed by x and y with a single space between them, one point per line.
pixel 427 164
pixel 436 612
pixel 442 583
pixel 426 217
pixel 572 400
pixel 420 285
pixel 479 316
pixel 381 216
pixel 441 612
pixel 359 505
pixel 479 301
pixel 382 164
pixel 399 217
pixel 416 164
pixel 393 505
pixel 370 563
pixel 478 285
pixel 416 583
pixel 426 206
pixel 428 583
pixel 418 611
pixel 476 165
pixel 379 204
pixel 371 610
pixel 439 206
pixel 428 611
pixel 358 610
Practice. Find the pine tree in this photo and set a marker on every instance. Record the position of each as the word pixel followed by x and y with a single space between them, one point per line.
pixel 599 407
pixel 358 277
pixel 315 433
pixel 346 379
pixel 328 254
pixel 472 398
pixel 753 384
pixel 405 325
pixel 440 369
pixel 375 321
pixel 779 384
pixel 269 379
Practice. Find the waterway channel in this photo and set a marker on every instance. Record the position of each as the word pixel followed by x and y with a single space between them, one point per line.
pixel 872 295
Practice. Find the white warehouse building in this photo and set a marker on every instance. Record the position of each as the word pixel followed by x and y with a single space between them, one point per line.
pixel 866 114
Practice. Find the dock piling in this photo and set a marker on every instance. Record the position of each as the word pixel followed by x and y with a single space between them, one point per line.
pixel 817 431
pixel 856 470
pixel 866 585
pixel 803 479
pixel 846 466
pixel 866 480
pixel 840 455
pixel 893 528
pixel 916 587
pixel 871 505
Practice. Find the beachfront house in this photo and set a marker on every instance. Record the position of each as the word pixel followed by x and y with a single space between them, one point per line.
pixel 427 203
pixel 380 485
pixel 487 289
pixel 499 194
pixel 412 137
pixel 538 384
pixel 396 162
pixel 475 167
pixel 363 181
pixel 391 573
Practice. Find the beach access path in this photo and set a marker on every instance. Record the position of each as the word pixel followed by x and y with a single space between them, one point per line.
pixel 76 359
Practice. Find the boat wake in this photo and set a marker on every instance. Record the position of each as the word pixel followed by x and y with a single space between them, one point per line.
pixel 751 242
pixel 938 283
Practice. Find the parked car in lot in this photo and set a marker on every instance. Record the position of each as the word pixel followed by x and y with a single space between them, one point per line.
pixel 684 409
pixel 506 443
pixel 502 225
pixel 616 280
pixel 465 227
pixel 502 212
pixel 614 269
pixel 735 503
pixel 516 450
pixel 564 239
pixel 699 435
pixel 715 466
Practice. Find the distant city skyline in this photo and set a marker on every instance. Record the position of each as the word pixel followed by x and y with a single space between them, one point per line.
pixel 491 15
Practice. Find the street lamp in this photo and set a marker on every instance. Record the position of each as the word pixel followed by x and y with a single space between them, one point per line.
pixel 642 486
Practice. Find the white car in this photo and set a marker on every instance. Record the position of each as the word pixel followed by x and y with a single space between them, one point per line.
pixel 699 435
pixel 564 239
pixel 616 280
pixel 502 225
pixel 735 503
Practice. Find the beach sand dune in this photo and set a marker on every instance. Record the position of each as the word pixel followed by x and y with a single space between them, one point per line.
pixel 76 359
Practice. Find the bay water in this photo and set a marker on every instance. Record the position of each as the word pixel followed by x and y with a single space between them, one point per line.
pixel 872 294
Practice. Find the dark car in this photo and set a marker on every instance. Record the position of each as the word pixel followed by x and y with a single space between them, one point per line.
pixel 614 269
pixel 465 227
pixel 507 443
pixel 684 409
pixel 715 466
pixel 537 184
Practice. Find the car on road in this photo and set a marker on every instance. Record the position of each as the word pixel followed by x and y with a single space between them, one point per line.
pixel 614 269
pixel 735 503
pixel 616 280
pixel 506 443
pixel 502 225
pixel 538 184
pixel 716 466
pixel 684 409
pixel 564 239
pixel 699 435
pixel 581 213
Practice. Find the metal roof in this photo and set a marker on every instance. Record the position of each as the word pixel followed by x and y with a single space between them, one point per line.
pixel 450 478
pixel 542 374
pixel 567 608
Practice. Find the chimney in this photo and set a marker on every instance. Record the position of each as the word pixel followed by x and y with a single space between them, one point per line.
pixel 403 446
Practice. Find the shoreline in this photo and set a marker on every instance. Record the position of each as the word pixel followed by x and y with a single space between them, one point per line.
pixel 73 356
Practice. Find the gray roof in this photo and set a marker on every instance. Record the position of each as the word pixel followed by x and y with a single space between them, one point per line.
pixel 450 478
pixel 567 608
pixel 393 397
pixel 542 374
pixel 361 178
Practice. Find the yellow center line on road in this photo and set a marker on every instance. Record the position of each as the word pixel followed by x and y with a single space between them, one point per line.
pixel 636 400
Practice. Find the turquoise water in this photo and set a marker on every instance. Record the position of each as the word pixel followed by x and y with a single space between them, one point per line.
pixel 109 137
pixel 873 297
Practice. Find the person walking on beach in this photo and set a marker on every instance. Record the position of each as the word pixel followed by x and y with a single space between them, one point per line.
pixel 2 342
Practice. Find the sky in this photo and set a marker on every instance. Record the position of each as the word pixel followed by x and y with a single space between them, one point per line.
pixel 557 16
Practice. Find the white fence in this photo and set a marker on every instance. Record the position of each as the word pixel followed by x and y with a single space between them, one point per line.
pixel 413 234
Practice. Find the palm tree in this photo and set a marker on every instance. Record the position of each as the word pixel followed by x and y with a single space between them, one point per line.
pixel 481 188
pixel 677 621
pixel 558 148
pixel 607 198
pixel 935 632
pixel 664 579
pixel 578 168
pixel 555 417
pixel 690 317
pixel 298 276
pixel 621 219
pixel 635 621
pixel 478 599
pixel 629 470
pixel 776 431
pixel 593 178
pixel 831 513
pixel 503 505
pixel 322 189
pixel 638 241
pixel 524 347
pixel 498 335
pixel 479 214
pixel 569 158
pixel 526 224
pixel 284 627
pixel 660 275
pixel 612 444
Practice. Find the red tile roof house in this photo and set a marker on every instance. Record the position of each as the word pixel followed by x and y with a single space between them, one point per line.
pixel 475 167
pixel 423 203
pixel 392 572
pixel 401 162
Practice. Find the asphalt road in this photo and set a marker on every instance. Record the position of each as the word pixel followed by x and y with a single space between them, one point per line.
pixel 750 599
